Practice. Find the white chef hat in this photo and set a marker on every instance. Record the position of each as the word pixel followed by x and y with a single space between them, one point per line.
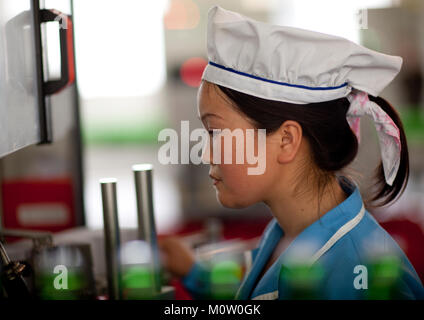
pixel 301 66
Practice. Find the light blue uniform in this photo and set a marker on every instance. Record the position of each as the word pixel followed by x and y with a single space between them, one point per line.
pixel 340 242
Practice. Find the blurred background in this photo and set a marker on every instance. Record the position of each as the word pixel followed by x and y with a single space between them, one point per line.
pixel 136 67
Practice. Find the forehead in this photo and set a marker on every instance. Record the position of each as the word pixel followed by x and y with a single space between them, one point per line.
pixel 211 100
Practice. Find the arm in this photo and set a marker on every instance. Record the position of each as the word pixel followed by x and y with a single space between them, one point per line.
pixel 178 258
pixel 197 281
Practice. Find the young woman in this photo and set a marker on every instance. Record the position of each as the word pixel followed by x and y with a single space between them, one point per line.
pixel 308 90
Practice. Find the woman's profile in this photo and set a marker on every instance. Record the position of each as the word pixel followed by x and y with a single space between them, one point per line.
pixel 308 90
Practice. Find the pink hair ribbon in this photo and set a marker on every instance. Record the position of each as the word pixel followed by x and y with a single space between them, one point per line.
pixel 387 131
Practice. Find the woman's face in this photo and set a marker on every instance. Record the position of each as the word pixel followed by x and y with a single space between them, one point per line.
pixel 235 188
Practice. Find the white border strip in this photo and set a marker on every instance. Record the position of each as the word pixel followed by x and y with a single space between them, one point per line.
pixel 340 233
pixel 271 91
pixel 267 296
pixel 248 260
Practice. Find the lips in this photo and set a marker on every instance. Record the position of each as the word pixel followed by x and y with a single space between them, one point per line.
pixel 215 179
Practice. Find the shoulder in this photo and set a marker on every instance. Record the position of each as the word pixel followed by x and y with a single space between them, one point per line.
pixel 358 261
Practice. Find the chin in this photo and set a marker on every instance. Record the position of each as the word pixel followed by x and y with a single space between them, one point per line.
pixel 231 203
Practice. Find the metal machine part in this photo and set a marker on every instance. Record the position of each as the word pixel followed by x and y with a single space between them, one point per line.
pixel 12 273
pixel 143 176
pixel 3 255
pixel 112 237
pixel 40 239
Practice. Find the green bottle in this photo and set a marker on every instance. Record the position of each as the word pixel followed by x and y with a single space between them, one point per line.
pixel 384 278
pixel 225 279
pixel 137 283
pixel 301 281
pixel 51 286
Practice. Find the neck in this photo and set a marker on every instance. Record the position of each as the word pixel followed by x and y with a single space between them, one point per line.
pixel 296 210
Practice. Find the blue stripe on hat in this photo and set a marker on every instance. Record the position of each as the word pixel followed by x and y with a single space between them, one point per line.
pixel 275 82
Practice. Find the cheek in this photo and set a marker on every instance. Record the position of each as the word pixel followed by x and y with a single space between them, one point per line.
pixel 238 189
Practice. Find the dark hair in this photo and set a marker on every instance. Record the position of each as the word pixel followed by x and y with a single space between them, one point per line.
pixel 332 142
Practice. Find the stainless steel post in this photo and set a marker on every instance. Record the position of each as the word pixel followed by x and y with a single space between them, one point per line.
pixel 112 239
pixel 145 215
pixel 4 258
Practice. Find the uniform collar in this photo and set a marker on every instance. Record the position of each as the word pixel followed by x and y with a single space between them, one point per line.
pixel 315 236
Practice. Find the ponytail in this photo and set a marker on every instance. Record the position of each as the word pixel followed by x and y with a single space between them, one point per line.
pixel 385 193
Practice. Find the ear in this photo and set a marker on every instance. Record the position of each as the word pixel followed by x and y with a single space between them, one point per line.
pixel 290 135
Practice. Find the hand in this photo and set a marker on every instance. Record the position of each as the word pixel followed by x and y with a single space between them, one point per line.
pixel 176 256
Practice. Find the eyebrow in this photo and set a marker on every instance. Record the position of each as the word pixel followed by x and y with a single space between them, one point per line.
pixel 209 114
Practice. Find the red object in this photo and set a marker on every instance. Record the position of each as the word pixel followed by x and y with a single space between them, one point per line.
pixel 232 228
pixel 46 205
pixel 410 238
pixel 191 71
pixel 70 38
pixel 180 292
pixel 70 48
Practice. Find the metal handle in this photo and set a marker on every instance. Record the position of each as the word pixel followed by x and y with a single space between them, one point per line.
pixel 111 234
pixel 66 50
pixel 145 215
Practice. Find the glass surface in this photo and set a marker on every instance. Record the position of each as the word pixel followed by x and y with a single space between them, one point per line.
pixel 19 115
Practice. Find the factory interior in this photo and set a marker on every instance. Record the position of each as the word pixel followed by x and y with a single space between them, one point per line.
pixel 86 88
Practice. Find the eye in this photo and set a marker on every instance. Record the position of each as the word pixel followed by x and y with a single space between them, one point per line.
pixel 214 132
